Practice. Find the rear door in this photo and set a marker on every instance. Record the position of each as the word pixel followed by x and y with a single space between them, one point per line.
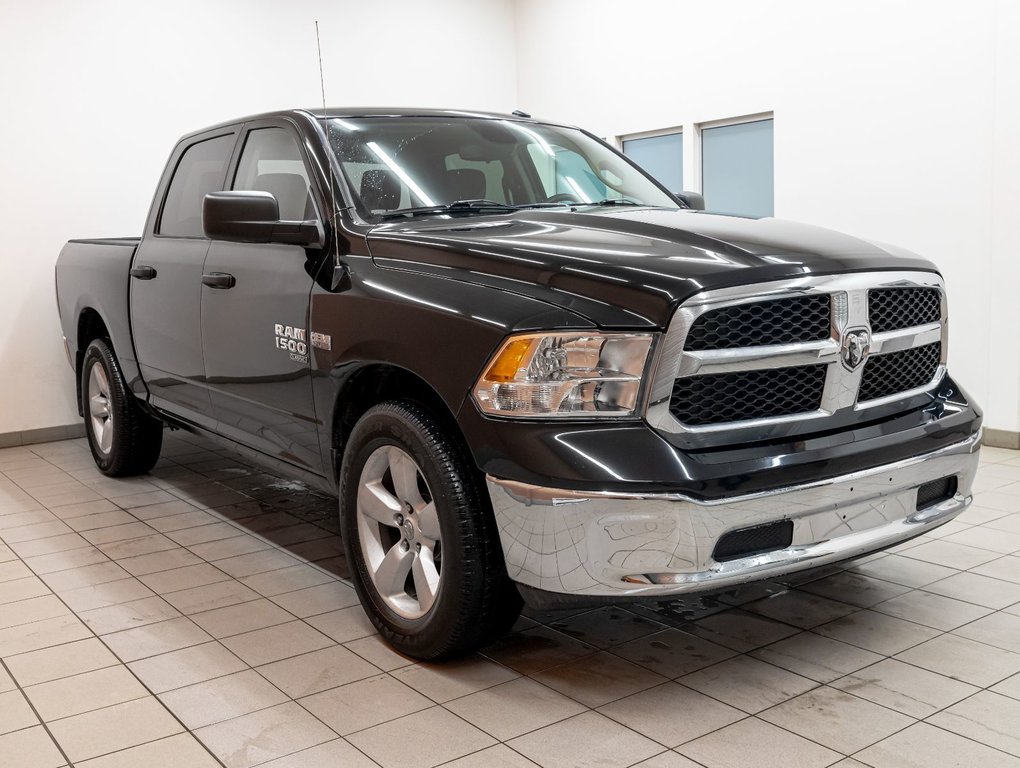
pixel 255 322
pixel 166 279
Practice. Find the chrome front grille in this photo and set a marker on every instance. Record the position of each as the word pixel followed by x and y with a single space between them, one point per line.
pixel 759 361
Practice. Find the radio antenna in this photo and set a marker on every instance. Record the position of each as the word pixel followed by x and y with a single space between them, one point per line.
pixel 322 86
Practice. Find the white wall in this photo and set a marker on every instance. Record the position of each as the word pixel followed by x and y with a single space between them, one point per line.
pixel 95 94
pixel 895 121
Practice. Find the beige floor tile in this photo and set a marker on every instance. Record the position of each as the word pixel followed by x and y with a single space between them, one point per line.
pixel 431 737
pixel 986 717
pixel 264 735
pixel 317 671
pixel 183 521
pixel 996 539
pixel 131 548
pixel 100 520
pixel 498 756
pixel 48 546
pixel 186 667
pixel 607 744
pixel 21 519
pixel 6 681
pixel 15 713
pixel 908 689
pixel 741 630
pixel 278 582
pixel 978 589
pixel 535 649
pixel 1009 687
pixel 136 613
pixel 104 595
pixel 375 650
pixel 320 599
pixel 801 609
pixel 14 569
pixel 59 661
pixel 202 534
pixel 240 618
pixel 164 560
pixel 32 610
pixel 41 634
pixel 187 577
pixel 1005 568
pixel 256 562
pixel 924 746
pixel 673 653
pixel 904 570
pixel 854 588
pixel 17 590
pixel 598 679
pixel 230 547
pixel 963 659
pixel 453 679
pixel 877 632
pixel 999 629
pixel 69 511
pixel 88 576
pixel 337 753
pixel 210 597
pixel 30 748
pixel 62 561
pixel 836 719
pixel 356 706
pixel 819 658
pixel 747 684
pixel 180 751
pixel 607 627
pixel 671 714
pixel 114 728
pixel 344 625
pixel 35 531
pixel 951 554
pixel 264 646
pixel 513 708
pixel 132 530
pixel 755 742
pixel 222 698
pixel 153 639
pixel 932 610
pixel 85 692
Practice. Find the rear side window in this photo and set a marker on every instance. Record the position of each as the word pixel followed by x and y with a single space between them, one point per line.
pixel 199 172
pixel 271 162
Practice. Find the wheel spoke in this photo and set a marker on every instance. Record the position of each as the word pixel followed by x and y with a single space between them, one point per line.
pixel 106 438
pixel 378 503
pixel 99 406
pixel 428 521
pixel 391 574
pixel 426 579
pixel 405 477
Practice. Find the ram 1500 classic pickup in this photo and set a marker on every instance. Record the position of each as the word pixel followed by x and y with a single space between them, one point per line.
pixel 526 369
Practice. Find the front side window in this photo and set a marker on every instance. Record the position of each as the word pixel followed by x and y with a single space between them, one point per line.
pixel 271 162
pixel 199 171
pixel 393 164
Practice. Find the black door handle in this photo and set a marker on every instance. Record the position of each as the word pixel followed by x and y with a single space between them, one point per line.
pixel 219 280
pixel 143 273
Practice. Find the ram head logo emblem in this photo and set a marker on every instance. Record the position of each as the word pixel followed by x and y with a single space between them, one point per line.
pixel 856 343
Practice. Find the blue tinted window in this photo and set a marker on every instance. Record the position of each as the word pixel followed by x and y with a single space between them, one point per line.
pixel 737 168
pixel 661 156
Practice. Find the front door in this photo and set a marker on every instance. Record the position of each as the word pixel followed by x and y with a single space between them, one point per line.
pixel 166 281
pixel 255 314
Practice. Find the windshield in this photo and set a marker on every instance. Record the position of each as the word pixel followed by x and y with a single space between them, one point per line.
pixel 395 164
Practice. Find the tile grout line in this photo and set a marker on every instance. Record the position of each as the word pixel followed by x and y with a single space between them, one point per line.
pixel 44 723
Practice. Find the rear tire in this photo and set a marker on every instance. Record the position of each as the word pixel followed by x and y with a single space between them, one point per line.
pixel 420 537
pixel 125 440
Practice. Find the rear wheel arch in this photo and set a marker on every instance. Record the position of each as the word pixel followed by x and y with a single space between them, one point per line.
pixel 91 326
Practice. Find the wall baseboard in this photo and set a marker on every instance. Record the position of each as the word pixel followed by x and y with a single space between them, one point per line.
pixel 44 435
pixel 1001 438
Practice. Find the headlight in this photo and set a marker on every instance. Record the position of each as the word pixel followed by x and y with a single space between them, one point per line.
pixel 576 374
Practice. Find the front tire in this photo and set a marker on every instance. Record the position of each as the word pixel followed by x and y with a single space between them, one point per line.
pixel 124 439
pixel 420 538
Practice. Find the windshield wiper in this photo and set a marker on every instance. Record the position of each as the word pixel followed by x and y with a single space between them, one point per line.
pixel 614 201
pixel 457 206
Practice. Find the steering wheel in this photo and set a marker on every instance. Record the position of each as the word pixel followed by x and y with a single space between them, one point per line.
pixel 563 197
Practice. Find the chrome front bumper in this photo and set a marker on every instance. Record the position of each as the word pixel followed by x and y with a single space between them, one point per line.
pixel 601 544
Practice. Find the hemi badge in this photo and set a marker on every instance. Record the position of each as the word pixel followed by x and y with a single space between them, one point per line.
pixel 322 341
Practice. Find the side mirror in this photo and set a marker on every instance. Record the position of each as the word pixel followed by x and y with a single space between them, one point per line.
pixel 254 217
pixel 695 200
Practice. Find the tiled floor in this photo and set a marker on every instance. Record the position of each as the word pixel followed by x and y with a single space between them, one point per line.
pixel 200 617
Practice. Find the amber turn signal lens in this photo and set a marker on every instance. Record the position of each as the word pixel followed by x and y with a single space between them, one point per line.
pixel 508 362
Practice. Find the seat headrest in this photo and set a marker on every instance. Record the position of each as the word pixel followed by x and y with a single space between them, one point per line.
pixel 290 191
pixel 380 190
pixel 465 184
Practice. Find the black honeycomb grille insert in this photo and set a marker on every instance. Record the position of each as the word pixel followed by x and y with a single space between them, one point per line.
pixel 753 541
pixel 763 323
pixel 899 371
pixel 936 491
pixel 890 309
pixel 720 398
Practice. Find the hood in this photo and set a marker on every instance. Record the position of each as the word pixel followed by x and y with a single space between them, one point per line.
pixel 624 267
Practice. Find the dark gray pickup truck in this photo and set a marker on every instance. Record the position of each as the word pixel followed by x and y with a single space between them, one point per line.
pixel 526 368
